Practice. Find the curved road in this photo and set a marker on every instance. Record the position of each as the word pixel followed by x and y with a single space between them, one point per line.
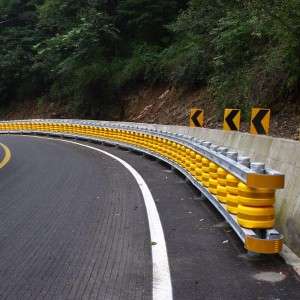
pixel 73 225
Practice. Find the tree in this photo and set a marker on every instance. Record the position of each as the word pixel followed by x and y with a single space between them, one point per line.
pixel 17 37
pixel 146 20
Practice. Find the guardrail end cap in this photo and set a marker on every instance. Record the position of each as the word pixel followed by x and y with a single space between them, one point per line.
pixel 264 246
pixel 268 181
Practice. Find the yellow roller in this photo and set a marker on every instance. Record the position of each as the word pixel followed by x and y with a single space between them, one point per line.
pixel 255 208
pixel 213 178
pixel 256 217
pixel 187 161
pixel 198 166
pixel 205 172
pixel 232 194
pixel 222 183
pixel 192 169
pixel 255 197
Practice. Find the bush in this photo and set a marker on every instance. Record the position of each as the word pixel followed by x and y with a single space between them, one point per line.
pixel 86 52
pixel 140 67
pixel 185 64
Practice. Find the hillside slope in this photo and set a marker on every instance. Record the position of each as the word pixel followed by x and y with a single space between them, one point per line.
pixel 165 105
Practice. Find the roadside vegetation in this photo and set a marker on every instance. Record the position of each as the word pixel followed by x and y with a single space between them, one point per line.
pixel 87 53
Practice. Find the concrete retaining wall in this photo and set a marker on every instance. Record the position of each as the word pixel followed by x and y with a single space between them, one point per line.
pixel 279 154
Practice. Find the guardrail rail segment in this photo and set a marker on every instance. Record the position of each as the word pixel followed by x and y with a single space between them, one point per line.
pixel 243 192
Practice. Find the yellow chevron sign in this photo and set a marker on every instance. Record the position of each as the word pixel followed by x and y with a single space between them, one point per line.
pixel 196 117
pixel 232 119
pixel 260 121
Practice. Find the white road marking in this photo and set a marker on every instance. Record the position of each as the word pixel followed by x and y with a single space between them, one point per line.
pixel 161 285
pixel 7 156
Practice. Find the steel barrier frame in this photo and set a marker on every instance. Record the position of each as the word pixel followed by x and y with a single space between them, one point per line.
pixel 266 241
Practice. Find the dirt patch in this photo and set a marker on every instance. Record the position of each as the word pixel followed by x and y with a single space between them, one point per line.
pixel 169 105
pixel 33 109
pixel 165 105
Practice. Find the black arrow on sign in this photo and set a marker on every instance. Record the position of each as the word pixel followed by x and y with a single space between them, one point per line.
pixel 195 118
pixel 258 119
pixel 230 117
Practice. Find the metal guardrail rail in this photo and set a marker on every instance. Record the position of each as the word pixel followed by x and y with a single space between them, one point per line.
pixel 241 190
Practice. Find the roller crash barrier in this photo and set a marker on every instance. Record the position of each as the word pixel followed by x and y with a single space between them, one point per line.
pixel 241 190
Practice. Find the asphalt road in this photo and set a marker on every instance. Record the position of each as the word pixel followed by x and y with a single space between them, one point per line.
pixel 73 225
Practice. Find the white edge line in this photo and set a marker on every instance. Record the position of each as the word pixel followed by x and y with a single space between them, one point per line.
pixel 161 285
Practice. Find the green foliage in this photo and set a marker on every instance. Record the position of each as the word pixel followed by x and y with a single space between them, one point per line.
pixel 140 67
pixel 17 36
pixel 189 59
pixel 145 19
pixel 185 63
pixel 87 52
pixel 77 61
pixel 248 50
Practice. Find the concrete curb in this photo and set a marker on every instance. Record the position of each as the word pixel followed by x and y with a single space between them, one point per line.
pixel 291 258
